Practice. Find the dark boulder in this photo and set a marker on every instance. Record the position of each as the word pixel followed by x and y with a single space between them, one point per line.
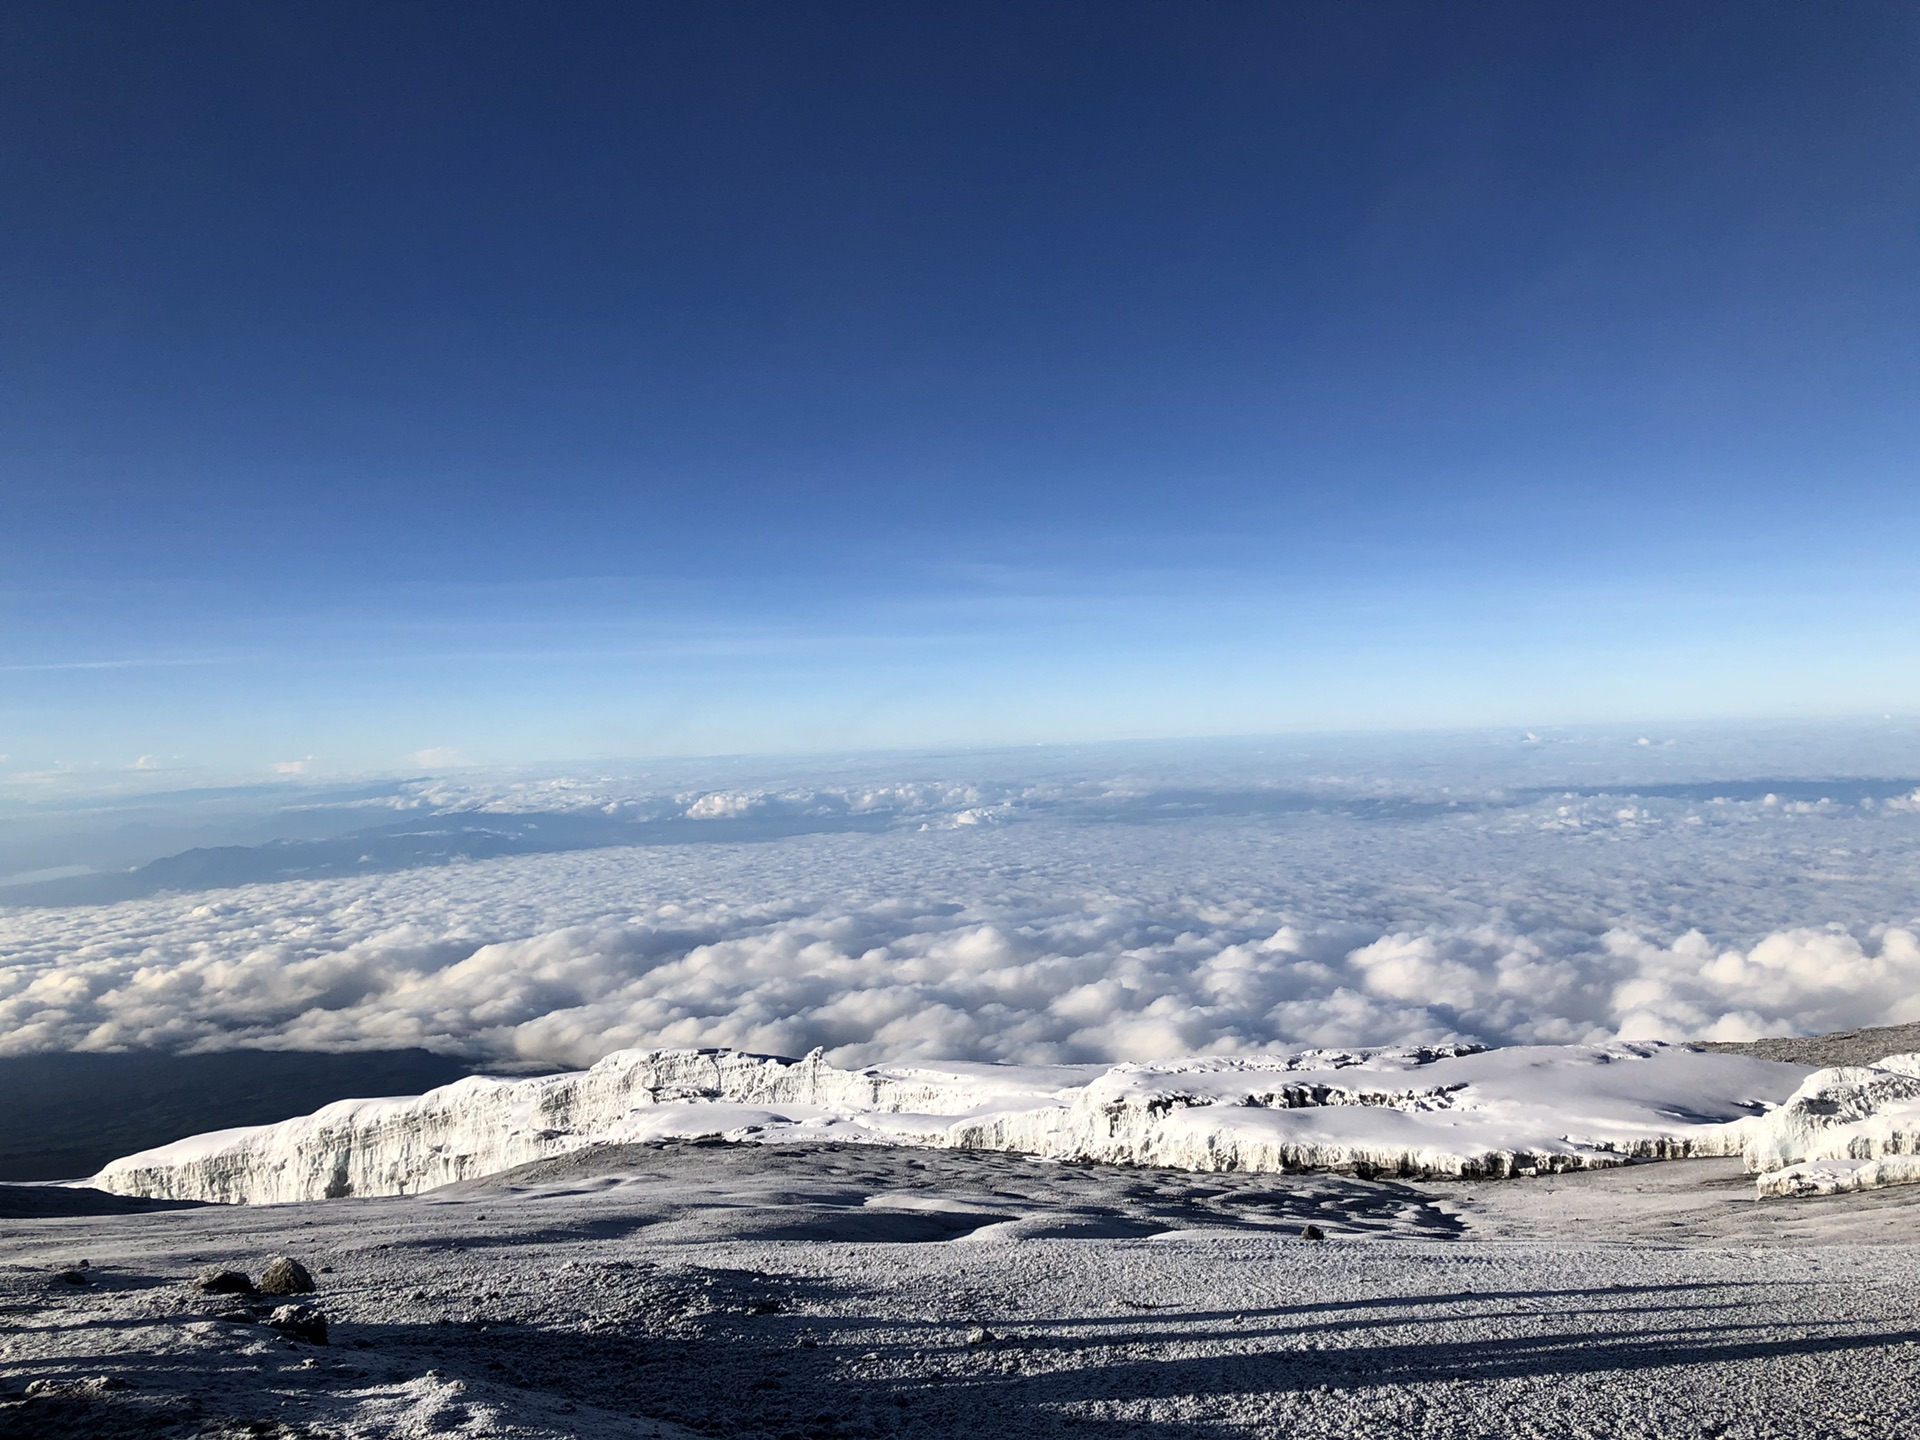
pixel 284 1276
pixel 223 1282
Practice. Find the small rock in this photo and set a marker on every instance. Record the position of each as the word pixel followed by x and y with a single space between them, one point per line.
pixel 71 1277
pixel 97 1385
pixel 1312 1232
pixel 224 1282
pixel 285 1276
pixel 979 1336
pixel 302 1322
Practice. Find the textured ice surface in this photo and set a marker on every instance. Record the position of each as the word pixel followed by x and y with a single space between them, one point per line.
pixel 1411 1112
pixel 1851 1127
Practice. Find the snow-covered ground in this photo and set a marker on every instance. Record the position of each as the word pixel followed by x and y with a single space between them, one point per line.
pixel 1411 1112
pixel 677 1288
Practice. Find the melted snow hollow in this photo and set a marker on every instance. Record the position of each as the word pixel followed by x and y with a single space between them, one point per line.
pixel 1425 1112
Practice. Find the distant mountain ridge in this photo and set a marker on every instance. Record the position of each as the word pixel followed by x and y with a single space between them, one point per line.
pixel 434 840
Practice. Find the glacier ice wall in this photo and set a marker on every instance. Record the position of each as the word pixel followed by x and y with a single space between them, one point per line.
pixel 1849 1127
pixel 1447 1111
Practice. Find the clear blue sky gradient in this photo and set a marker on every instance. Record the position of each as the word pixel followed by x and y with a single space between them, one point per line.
pixel 535 381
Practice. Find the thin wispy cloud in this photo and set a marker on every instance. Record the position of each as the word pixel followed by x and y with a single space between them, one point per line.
pixel 126 663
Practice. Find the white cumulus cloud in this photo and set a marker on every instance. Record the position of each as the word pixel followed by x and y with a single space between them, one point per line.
pixel 1094 918
pixel 1145 930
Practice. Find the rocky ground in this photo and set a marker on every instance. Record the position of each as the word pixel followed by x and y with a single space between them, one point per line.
pixel 1840 1047
pixel 818 1292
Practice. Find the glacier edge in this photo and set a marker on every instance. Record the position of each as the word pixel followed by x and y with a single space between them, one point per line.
pixel 1446 1112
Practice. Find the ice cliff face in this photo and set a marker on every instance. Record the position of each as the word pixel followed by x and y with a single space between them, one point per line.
pixel 1408 1112
pixel 1852 1127
pixel 479 1125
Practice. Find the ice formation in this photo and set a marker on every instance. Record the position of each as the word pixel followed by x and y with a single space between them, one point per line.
pixel 1851 1127
pixel 1426 1112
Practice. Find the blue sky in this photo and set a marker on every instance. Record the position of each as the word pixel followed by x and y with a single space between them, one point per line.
pixel 531 382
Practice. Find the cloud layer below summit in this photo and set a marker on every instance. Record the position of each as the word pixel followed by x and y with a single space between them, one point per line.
pixel 979 928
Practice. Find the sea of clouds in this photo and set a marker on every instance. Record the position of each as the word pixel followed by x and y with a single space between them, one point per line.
pixel 1055 916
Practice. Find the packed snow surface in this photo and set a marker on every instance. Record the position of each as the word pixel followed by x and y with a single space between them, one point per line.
pixel 639 1292
pixel 1418 1112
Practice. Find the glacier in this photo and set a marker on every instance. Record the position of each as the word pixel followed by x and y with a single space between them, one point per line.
pixel 1412 1112
pixel 1847 1127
